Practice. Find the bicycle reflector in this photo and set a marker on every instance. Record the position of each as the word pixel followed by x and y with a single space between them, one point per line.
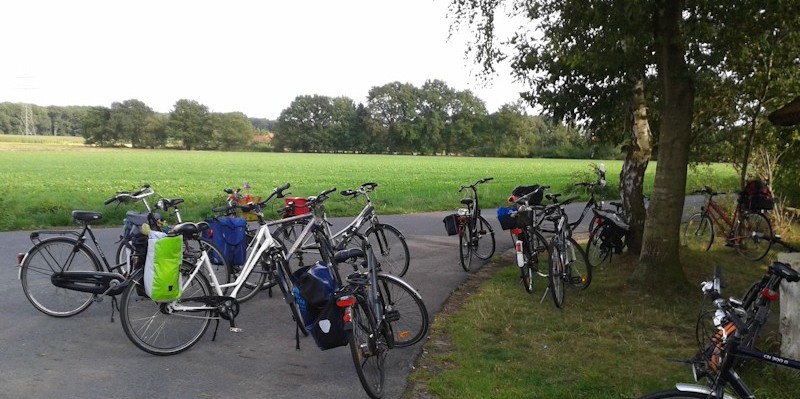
pixel 771 295
pixel 20 257
pixel 346 301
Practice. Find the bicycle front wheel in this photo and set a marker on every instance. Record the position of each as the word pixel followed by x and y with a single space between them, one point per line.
pixel 535 258
pixel 579 268
pixel 698 232
pixel 483 240
pixel 556 275
pixel 465 248
pixel 158 328
pixel 404 309
pixel 390 248
pixel 47 258
pixel 752 234
pixel 369 350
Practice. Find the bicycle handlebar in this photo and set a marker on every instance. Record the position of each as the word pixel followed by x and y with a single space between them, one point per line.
pixel 124 196
pixel 472 186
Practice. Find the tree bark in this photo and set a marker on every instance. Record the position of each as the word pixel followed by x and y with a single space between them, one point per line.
pixel 659 264
pixel 631 179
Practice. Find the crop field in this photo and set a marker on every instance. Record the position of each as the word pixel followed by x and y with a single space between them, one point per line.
pixel 42 182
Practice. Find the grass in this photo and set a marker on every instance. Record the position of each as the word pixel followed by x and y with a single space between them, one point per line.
pixel 610 341
pixel 43 182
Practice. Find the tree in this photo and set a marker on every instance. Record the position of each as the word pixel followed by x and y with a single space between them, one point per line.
pixel 230 131
pixel 315 123
pixel 189 124
pixel 393 107
pixel 129 121
pixel 96 128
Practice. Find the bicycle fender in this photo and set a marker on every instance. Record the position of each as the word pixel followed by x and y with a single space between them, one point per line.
pixel 698 389
pixel 401 282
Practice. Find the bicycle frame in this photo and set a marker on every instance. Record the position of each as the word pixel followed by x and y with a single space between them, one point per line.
pixel 716 213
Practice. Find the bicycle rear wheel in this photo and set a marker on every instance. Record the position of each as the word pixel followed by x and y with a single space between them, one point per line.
pixel 556 275
pixel 595 251
pixel 390 248
pixel 465 248
pixel 404 309
pixel 50 256
pixel 535 258
pixel 698 232
pixel 483 240
pixel 157 328
pixel 752 236
pixel 580 270
pixel 369 349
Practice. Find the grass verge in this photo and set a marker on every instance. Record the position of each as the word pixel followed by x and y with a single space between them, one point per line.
pixel 611 341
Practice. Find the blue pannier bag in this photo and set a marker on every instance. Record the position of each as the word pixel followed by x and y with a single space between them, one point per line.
pixel 314 292
pixel 228 234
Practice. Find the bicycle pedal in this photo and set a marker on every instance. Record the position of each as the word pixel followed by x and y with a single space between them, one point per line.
pixel 235 330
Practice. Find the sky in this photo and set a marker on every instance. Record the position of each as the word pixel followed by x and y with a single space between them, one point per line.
pixel 251 56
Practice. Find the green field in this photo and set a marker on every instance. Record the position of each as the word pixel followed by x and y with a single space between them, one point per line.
pixel 41 183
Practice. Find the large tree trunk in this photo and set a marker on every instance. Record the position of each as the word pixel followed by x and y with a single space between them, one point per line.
pixel 631 178
pixel 659 264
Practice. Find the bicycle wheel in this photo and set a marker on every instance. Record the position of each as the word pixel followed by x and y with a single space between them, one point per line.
pixel 675 394
pixel 483 240
pixel 50 256
pixel 122 257
pixel 287 288
pixel 579 268
pixel 390 248
pixel 556 275
pixel 595 252
pixel 465 249
pixel 404 309
pixel 698 232
pixel 369 349
pixel 751 236
pixel 534 253
pixel 158 328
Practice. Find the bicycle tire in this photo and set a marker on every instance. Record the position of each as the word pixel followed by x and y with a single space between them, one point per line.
pixel 698 232
pixel 407 306
pixel 154 330
pixel 465 248
pixel 368 351
pixel 526 271
pixel 595 253
pixel 44 259
pixel 484 232
pixel 580 270
pixel 122 257
pixel 675 394
pixel 192 251
pixel 391 249
pixel 534 250
pixel 556 275
pixel 752 235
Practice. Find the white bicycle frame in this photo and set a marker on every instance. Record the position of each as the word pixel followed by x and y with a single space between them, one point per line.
pixel 263 241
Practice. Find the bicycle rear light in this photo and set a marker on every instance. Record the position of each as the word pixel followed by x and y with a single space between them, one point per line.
pixel 20 257
pixel 346 301
pixel 771 295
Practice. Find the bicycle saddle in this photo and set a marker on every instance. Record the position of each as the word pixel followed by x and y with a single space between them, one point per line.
pixel 189 228
pixel 171 202
pixel 86 216
pixel 347 254
pixel 467 201
pixel 785 272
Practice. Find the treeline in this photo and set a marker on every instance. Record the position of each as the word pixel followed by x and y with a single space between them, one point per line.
pixel 397 118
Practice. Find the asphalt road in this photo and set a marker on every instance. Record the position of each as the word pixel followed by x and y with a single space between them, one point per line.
pixel 89 356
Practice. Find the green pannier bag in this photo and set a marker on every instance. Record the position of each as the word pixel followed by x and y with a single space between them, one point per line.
pixel 162 267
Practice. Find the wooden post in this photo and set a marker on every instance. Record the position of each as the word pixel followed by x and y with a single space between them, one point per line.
pixel 790 310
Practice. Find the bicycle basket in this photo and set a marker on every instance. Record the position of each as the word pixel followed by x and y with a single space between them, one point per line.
pixel 451 224
pixel 507 217
pixel 296 206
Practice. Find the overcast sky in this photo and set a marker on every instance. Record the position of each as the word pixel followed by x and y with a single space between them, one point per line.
pixel 253 56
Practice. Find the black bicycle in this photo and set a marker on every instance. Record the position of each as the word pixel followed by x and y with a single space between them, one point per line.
pixel 475 235
pixel 718 360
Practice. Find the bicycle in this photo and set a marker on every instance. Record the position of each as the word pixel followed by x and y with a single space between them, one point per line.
pixel 472 228
pixel 720 359
pixel 372 316
pixel 745 230
pixel 389 243
pixel 173 327
pixel 62 276
pixel 529 243
pixel 568 263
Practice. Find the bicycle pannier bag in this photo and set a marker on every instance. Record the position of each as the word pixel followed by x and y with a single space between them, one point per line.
pixel 314 292
pixel 613 233
pixel 519 191
pixel 451 224
pixel 757 196
pixel 228 234
pixel 162 267
pixel 507 217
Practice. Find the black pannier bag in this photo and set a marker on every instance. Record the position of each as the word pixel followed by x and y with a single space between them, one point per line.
pixel 451 224
pixel 519 191
pixel 315 293
pixel 757 196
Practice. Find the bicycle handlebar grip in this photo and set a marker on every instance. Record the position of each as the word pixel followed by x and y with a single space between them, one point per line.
pixel 348 192
pixel 279 191
pixel 326 192
pixel 488 178
pixel 371 185
pixel 110 200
